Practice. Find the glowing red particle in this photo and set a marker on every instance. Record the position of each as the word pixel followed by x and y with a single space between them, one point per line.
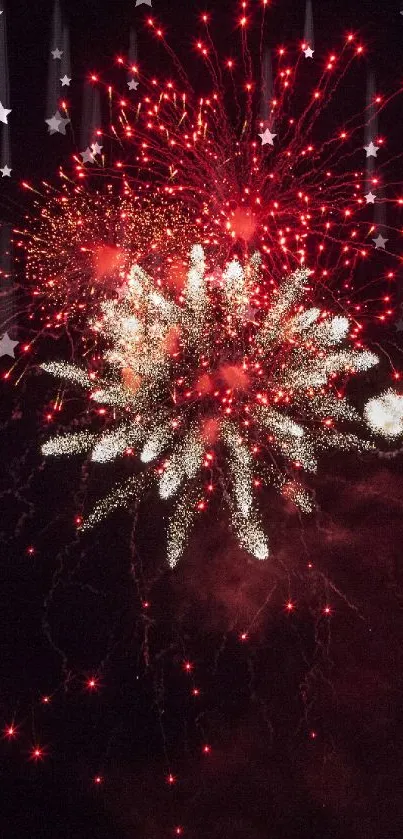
pixel 178 830
pixel 30 550
pixel 327 610
pixel 78 520
pixel 145 604
pixel 289 606
pixel 243 636
pixel 46 700
pixel 196 692
pixel 313 735
pixel 92 684
pixel 171 779
pixel 98 779
pixel 206 749
pixel 37 753
pixel 10 731
pixel 188 666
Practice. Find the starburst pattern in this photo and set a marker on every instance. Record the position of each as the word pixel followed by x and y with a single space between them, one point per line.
pixel 196 389
pixel 384 414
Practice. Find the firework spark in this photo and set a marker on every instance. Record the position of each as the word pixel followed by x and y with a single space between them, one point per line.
pixel 197 388
pixel 188 167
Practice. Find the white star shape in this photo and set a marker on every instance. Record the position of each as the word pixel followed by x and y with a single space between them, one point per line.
pixel 57 124
pixel 7 346
pixel 4 112
pixel 65 81
pixel 53 123
pixel 267 137
pixel 57 53
pixel 96 148
pixel 87 155
pixel 371 149
pixel 139 2
pixel 5 171
pixel 133 85
pixel 380 242
pixel 309 52
pixel 370 198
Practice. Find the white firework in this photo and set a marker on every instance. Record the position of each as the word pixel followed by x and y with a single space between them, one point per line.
pixel 198 391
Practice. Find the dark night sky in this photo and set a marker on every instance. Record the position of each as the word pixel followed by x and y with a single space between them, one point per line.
pixel 73 609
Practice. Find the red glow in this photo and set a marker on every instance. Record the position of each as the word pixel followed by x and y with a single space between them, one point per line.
pixel 171 341
pixel 107 260
pixel 234 376
pixel 130 379
pixel 37 753
pixel 210 431
pixel 10 732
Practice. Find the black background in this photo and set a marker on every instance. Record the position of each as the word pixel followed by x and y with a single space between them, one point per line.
pixel 73 609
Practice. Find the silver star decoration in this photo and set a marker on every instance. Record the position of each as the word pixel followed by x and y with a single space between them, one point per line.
pixel 57 53
pixel 65 81
pixel 96 148
pixel 380 242
pixel 7 346
pixel 309 52
pixel 370 198
pixel 87 155
pixel 56 124
pixel 4 112
pixel 133 85
pixel 139 2
pixel 267 137
pixel 5 171
pixel 371 149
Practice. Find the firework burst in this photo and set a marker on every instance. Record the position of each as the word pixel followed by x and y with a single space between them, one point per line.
pixel 238 168
pixel 196 387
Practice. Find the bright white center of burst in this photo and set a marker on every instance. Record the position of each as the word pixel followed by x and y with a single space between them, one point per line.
pixel 384 415
pixel 131 325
